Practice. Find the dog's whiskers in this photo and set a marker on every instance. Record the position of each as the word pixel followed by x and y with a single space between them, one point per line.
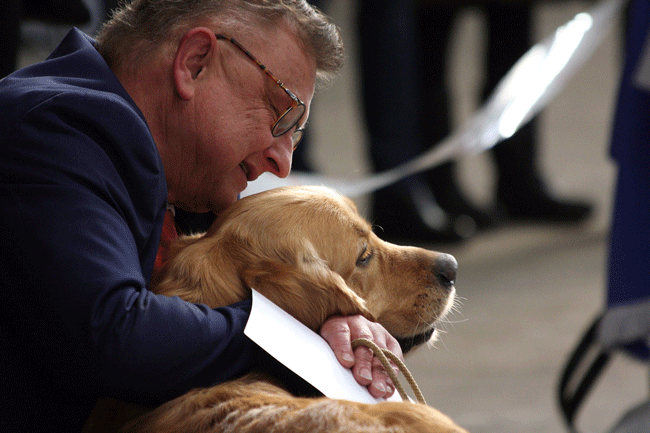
pixel 444 323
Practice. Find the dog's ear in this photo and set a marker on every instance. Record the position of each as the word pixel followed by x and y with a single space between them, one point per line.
pixel 198 272
pixel 302 284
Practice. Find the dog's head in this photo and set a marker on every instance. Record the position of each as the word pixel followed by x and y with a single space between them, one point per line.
pixel 308 250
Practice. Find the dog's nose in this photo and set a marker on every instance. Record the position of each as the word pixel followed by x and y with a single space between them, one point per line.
pixel 445 269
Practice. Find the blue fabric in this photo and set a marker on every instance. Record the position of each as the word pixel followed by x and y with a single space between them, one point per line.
pixel 629 261
pixel 630 241
pixel 82 200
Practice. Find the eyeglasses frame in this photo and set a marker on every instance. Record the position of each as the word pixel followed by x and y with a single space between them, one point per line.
pixel 295 101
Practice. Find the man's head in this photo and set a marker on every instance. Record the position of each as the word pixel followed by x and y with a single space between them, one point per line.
pixel 196 70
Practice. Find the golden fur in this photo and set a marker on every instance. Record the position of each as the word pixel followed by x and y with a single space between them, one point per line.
pixel 308 250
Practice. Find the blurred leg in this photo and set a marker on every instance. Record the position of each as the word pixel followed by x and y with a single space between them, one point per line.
pixel 521 190
pixel 435 26
pixel 391 99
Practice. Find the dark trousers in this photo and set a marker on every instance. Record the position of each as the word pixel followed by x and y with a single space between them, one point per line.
pixel 508 35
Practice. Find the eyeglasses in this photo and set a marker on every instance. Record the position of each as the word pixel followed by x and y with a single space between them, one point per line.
pixel 292 115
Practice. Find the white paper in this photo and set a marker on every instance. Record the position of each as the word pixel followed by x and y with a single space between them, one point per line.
pixel 303 351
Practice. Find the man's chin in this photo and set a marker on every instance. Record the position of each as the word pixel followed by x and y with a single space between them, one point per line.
pixel 222 202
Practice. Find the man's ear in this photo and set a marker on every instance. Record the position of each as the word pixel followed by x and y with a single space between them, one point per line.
pixel 192 55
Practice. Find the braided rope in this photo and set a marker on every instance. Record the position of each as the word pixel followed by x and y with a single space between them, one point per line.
pixel 384 355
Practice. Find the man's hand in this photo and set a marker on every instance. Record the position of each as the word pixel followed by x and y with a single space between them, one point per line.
pixel 340 331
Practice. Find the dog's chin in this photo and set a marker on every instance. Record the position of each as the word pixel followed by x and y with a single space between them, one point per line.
pixel 410 342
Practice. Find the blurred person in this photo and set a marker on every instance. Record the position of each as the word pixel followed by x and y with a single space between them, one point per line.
pixel 13 12
pixel 70 12
pixel 521 189
pixel 387 33
pixel 628 285
pixel 166 108
pixel 10 13
pixel 624 324
pixel 392 101
pixel 403 57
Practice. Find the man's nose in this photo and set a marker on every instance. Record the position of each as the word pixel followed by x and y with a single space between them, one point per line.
pixel 278 156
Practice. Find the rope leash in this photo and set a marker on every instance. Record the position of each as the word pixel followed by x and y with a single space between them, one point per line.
pixel 384 355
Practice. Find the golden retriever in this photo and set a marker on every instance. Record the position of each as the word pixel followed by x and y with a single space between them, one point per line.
pixel 308 250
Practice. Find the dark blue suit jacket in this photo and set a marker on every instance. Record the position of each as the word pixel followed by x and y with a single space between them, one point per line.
pixel 82 199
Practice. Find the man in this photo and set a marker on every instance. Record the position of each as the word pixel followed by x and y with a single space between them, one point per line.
pixel 166 107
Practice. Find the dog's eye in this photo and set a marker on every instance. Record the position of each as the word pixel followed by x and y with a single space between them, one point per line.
pixel 364 258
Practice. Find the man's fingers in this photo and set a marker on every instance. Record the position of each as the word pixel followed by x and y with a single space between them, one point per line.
pixel 336 332
pixel 382 386
pixel 393 345
pixel 362 370
pixel 367 370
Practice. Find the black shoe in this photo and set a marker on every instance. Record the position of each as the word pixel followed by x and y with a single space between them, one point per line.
pixel 70 12
pixel 529 201
pixel 450 197
pixel 410 214
pixel 453 203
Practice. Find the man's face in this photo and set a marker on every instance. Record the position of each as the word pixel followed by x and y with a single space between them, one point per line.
pixel 229 126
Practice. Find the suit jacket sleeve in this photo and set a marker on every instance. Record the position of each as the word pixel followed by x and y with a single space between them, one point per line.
pixel 82 209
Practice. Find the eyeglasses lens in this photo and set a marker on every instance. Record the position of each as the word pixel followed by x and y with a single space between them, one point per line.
pixel 297 137
pixel 288 120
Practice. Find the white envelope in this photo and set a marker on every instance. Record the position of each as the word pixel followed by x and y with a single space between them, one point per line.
pixel 303 351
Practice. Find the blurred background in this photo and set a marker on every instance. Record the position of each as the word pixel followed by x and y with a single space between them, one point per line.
pixel 526 291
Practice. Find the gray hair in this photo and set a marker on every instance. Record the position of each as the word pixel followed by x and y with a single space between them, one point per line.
pixel 141 27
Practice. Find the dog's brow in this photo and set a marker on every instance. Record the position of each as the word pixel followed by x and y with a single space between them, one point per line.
pixel 360 229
